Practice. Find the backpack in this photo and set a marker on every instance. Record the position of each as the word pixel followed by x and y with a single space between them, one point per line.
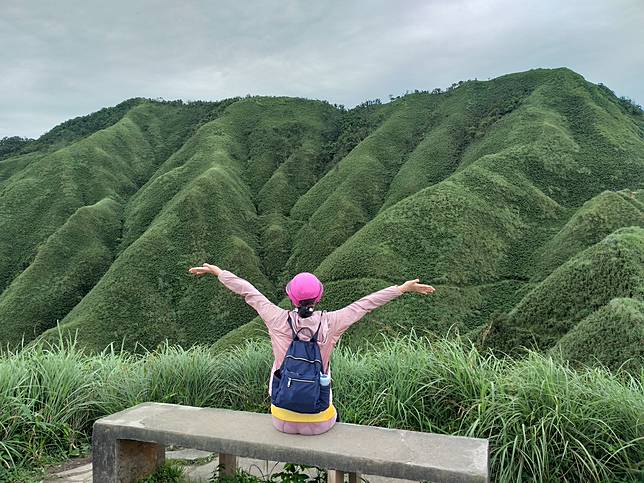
pixel 296 384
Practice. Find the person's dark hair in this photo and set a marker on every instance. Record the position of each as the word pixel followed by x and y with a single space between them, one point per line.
pixel 306 308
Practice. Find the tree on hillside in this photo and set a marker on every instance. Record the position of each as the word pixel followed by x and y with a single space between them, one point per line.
pixel 12 145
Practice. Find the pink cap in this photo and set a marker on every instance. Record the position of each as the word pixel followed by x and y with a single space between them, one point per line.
pixel 304 286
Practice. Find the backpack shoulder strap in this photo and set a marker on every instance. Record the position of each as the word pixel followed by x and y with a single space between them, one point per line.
pixel 315 336
pixel 290 324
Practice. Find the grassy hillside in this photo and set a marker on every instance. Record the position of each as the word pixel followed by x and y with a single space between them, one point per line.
pixel 612 268
pixel 70 262
pixel 508 216
pixel 612 336
pixel 200 202
pixel 596 219
pixel 492 191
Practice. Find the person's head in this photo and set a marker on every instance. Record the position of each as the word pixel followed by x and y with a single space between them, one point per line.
pixel 304 290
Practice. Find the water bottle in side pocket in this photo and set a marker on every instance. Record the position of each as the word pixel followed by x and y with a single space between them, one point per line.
pixel 325 379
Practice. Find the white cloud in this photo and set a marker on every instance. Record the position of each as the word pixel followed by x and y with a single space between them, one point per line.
pixel 62 59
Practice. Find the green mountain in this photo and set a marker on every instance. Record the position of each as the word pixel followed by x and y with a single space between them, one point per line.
pixel 586 290
pixel 512 196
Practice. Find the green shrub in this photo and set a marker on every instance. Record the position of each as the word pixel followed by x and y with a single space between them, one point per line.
pixel 169 472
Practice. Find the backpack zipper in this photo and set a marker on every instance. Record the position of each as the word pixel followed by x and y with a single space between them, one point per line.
pixel 291 379
pixel 302 359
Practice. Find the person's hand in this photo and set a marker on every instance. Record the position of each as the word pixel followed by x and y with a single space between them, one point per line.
pixel 204 269
pixel 414 286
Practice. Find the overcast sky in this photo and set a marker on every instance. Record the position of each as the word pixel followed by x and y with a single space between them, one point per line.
pixel 69 58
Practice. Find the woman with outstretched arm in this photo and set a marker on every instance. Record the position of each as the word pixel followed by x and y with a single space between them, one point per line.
pixel 303 339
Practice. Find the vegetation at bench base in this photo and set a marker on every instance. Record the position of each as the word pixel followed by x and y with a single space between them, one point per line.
pixel 169 472
pixel 291 473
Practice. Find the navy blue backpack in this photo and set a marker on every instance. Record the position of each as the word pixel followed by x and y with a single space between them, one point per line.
pixel 296 384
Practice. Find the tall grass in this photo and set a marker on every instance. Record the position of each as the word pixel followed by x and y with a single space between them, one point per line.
pixel 545 421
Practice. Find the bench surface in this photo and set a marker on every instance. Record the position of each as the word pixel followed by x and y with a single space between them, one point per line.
pixel 348 447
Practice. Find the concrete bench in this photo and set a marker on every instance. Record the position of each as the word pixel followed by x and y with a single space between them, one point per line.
pixel 130 444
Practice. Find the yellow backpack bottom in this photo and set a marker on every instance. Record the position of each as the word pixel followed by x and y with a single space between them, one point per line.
pixel 293 417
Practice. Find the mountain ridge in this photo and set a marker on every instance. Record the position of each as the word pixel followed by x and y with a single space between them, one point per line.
pixel 469 188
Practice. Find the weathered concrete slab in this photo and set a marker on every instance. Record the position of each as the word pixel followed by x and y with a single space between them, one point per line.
pixel 72 476
pixel 79 469
pixel 202 473
pixel 190 455
pixel 347 447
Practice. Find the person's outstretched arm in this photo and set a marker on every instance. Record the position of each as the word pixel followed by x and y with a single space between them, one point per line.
pixel 341 320
pixel 268 311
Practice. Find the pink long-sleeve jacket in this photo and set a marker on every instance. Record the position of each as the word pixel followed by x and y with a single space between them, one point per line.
pixel 333 325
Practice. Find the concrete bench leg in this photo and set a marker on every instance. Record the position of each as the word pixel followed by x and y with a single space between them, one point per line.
pixel 122 460
pixel 337 476
pixel 229 462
